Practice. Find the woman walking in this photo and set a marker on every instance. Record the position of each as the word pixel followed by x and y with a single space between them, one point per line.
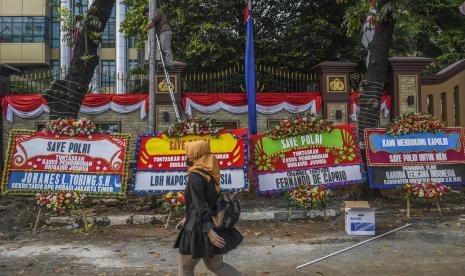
pixel 197 239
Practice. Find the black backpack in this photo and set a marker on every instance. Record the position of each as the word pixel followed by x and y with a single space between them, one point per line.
pixel 228 211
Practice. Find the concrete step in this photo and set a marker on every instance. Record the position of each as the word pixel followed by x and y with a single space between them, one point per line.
pixel 248 215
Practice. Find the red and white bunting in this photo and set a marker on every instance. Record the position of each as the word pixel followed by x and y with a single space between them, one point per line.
pixel 385 106
pixel 29 106
pixel 267 103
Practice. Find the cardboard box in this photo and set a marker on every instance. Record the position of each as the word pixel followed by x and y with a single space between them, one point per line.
pixel 360 218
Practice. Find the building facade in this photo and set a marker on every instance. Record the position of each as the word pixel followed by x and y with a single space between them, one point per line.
pixel 31 40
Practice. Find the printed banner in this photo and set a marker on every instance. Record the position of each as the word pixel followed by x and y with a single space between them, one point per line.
pixel 329 158
pixel 388 177
pixel 415 158
pixel 40 162
pixel 444 147
pixel 161 161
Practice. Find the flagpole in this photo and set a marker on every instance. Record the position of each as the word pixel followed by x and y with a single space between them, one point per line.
pixel 250 70
pixel 152 68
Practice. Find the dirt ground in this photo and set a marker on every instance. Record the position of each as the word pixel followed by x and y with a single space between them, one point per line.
pixel 433 245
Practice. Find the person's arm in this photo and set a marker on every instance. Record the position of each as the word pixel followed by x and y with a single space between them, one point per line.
pixel 197 186
pixel 153 21
pixel 156 16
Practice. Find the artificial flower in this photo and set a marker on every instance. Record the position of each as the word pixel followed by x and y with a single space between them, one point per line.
pixel 299 124
pixel 174 200
pixel 193 126
pixel 425 190
pixel 309 196
pixel 71 127
pixel 415 123
pixel 56 201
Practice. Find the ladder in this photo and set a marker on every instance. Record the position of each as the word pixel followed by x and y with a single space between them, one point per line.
pixel 168 81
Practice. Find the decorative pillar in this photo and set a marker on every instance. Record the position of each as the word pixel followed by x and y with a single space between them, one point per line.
pixel 64 48
pixel 406 83
pixel 121 49
pixel 164 111
pixel 335 89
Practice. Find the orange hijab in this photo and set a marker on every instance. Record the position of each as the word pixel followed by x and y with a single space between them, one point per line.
pixel 205 162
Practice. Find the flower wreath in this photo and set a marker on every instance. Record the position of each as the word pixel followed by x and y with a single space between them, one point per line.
pixel 298 124
pixel 193 126
pixel 173 200
pixel 425 191
pixel 309 196
pixel 415 123
pixel 61 202
pixel 71 127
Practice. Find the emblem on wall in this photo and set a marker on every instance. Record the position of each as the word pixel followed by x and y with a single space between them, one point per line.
pixel 162 86
pixel 336 83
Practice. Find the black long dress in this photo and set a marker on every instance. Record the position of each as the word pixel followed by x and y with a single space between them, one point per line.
pixel 193 239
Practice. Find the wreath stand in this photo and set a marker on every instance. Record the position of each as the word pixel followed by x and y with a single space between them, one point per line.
pixel 438 206
pixel 169 218
pixel 408 206
pixel 39 213
pixel 324 212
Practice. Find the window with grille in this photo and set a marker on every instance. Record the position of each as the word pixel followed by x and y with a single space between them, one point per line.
pixel 107 75
pixel 430 104
pixel 443 107
pixel 227 124
pixel 109 127
pixel 109 34
pixel 457 105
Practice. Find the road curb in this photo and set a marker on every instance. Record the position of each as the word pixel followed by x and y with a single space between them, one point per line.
pixel 134 219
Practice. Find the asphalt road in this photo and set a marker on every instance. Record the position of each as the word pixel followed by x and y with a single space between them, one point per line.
pixel 430 247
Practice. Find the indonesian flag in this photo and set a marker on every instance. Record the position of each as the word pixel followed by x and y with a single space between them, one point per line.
pixel 462 8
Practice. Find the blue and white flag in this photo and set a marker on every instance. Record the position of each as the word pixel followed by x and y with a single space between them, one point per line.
pixel 250 70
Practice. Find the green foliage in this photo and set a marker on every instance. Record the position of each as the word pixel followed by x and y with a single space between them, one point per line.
pixel 424 28
pixel 66 17
pixel 434 29
pixel 135 21
pixel 88 23
pixel 296 35
pixel 210 34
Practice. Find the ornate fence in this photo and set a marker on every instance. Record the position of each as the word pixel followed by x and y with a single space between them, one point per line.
pixel 33 83
pixel 268 79
pixel 36 83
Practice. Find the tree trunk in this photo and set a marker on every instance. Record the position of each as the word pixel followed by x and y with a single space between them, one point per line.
pixel 65 96
pixel 373 87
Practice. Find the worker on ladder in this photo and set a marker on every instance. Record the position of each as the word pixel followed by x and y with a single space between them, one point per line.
pixel 163 37
pixel 164 33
